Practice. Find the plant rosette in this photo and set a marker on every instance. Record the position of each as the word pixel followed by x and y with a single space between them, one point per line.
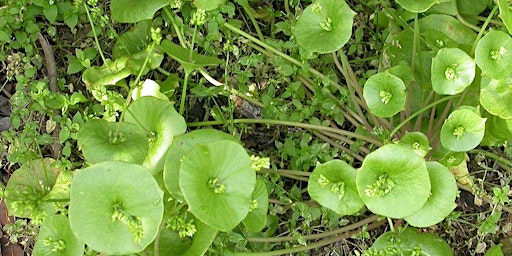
pixel 385 94
pixel 452 71
pixel 441 201
pixel 410 242
pixel 324 26
pixel 463 130
pixel 333 185
pixel 493 54
pixel 115 207
pixel 217 182
pixel 161 122
pixel 56 238
pixel 393 181
pixel 101 141
pixel 181 146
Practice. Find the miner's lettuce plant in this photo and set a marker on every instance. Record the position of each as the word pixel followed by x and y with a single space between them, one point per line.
pixel 147 186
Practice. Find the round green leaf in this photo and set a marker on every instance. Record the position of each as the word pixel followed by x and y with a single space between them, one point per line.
pixel 493 54
pixel 452 71
pixel 208 5
pixel 217 182
pixel 333 185
pixel 129 11
pixel 385 94
pixel 324 26
pixel 462 131
pixel 101 141
pixel 257 218
pixel 417 6
pixel 496 96
pixel 115 207
pixel 408 241
pixel 393 181
pixel 442 197
pixel 159 118
pixel 505 14
pixel 56 238
pixel 416 141
pixel 181 146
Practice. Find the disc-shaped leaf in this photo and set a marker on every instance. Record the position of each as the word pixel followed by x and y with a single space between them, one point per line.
pixel 442 197
pixel 189 62
pixel 56 238
pixel 130 11
pixel 101 140
pixel 29 186
pixel 417 6
pixel 393 181
pixel 385 94
pixel 324 26
pixel 493 54
pixel 416 141
pixel 333 185
pixel 181 146
pixel 462 131
pixel 208 5
pixel 408 241
pixel 506 14
pixel 159 118
pixel 496 96
pixel 499 128
pixel 217 182
pixel 257 218
pixel 115 207
pixel 452 71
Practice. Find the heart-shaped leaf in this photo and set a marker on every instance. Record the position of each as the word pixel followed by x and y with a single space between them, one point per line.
pixel 333 185
pixel 217 182
pixel 115 207
pixel 158 118
pixel 324 26
pixel 56 238
pixel 385 94
pixel 393 181
pixel 463 130
pixel 101 140
pixel 441 201
pixel 452 71
pixel 129 11
pixel 493 54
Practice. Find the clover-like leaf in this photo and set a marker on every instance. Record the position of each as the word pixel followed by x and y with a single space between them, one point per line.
pixel 496 96
pixel 324 26
pixel 189 62
pixel 441 201
pixel 181 146
pixel 101 140
pixel 158 118
pixel 416 141
pixel 452 71
pixel 411 242
pixel 393 181
pixel 115 207
pixel 333 185
pixel 462 131
pixel 257 217
pixel 385 94
pixel 493 54
pixel 129 11
pixel 417 6
pixel 217 182
pixel 28 188
pixel 56 238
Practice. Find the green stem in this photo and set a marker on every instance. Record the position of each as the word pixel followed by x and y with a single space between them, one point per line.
pixel 146 60
pixel 184 93
pixel 493 156
pixel 288 123
pixel 482 30
pixel 248 11
pixel 96 40
pixel 179 33
pixel 191 49
pixel 409 118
